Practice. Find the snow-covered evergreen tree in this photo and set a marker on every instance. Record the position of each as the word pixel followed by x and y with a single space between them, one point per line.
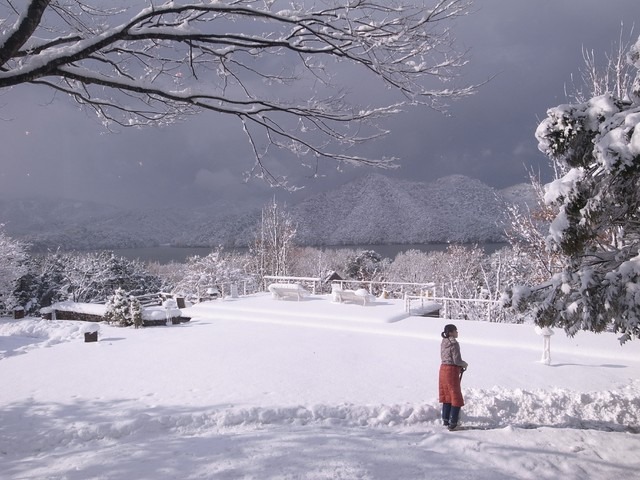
pixel 597 227
pixel 43 284
pixel 117 310
pixel 365 265
pixel 135 311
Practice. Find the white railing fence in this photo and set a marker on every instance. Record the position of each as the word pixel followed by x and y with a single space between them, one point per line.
pixel 390 289
pixel 313 284
pixel 461 308
pixel 222 289
pixel 418 297
pixel 398 290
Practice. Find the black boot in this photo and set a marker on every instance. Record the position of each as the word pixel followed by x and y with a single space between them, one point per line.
pixel 455 414
pixel 446 413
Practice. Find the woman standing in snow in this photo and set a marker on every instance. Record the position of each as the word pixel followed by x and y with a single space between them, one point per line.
pixel 451 369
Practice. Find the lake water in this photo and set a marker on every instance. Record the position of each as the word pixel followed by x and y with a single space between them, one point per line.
pixel 166 254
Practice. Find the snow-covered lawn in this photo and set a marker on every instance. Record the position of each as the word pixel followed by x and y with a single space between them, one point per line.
pixel 256 388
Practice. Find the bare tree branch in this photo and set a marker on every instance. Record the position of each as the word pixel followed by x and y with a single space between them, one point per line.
pixel 239 58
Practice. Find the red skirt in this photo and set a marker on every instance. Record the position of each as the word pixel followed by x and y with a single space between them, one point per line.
pixel 449 385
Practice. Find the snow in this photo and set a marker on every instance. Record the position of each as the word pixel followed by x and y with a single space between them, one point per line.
pixel 599 108
pixel 257 388
pixel 554 192
pixel 561 187
pixel 620 143
pixel 163 312
pixel 98 309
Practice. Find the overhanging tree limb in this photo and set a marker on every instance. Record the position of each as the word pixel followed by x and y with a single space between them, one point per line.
pixel 240 58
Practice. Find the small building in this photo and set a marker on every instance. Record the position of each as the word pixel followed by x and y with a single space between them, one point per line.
pixel 332 277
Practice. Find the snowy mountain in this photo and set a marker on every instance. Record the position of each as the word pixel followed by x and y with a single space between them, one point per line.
pixel 522 195
pixel 373 209
pixel 379 210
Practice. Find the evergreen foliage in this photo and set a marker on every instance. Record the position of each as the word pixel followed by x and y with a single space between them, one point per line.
pixel 364 266
pixel 135 311
pixel 118 311
pixel 42 284
pixel 597 226
pixel 80 277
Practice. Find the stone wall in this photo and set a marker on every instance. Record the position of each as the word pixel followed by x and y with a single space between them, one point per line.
pixel 86 317
pixel 70 315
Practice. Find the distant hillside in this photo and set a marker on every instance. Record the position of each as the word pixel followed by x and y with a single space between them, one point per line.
pixel 379 210
pixel 373 209
pixel 521 194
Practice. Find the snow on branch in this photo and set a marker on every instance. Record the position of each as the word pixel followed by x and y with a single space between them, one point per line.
pixel 242 58
pixel 596 229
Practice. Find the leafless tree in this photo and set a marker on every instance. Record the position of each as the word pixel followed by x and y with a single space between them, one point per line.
pixel 610 73
pixel 148 62
pixel 12 267
pixel 273 245
pixel 527 229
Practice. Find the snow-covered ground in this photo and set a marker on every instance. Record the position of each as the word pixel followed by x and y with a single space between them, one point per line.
pixel 256 388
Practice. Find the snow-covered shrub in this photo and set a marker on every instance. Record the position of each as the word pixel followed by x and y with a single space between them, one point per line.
pixel 135 311
pixel 117 311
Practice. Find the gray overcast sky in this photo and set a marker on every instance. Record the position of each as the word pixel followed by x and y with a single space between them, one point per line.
pixel 51 147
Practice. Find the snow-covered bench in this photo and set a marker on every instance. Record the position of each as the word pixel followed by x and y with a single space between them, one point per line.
pixel 427 309
pixel 359 296
pixel 283 290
